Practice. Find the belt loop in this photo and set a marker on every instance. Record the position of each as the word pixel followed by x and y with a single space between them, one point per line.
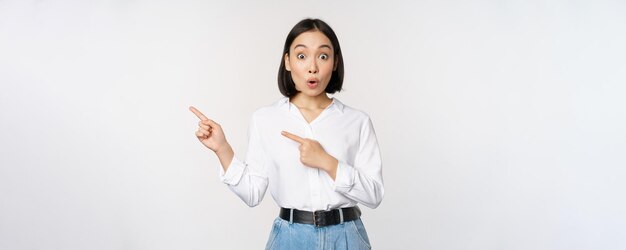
pixel 340 216
pixel 290 216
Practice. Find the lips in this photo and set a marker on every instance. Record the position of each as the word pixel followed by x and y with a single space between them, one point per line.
pixel 312 83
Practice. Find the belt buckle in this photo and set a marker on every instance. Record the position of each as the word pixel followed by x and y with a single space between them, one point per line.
pixel 315 222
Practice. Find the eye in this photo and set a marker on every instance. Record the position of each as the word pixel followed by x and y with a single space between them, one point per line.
pixel 323 56
pixel 300 56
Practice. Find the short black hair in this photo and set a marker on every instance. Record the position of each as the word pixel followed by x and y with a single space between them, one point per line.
pixel 285 83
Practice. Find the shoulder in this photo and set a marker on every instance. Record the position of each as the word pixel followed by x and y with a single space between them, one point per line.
pixel 359 118
pixel 353 113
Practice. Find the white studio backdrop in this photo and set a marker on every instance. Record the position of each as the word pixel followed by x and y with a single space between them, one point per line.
pixel 501 123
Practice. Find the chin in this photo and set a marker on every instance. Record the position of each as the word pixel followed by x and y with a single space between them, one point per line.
pixel 312 93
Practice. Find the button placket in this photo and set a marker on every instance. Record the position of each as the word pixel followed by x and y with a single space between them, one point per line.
pixel 314 179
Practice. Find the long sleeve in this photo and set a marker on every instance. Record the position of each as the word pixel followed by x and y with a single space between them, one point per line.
pixel 363 182
pixel 248 179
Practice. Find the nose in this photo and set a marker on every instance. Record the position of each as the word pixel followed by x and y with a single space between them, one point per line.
pixel 313 67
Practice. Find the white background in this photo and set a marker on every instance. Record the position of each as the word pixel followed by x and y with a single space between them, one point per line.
pixel 501 123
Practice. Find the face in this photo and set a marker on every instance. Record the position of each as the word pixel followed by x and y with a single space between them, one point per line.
pixel 311 62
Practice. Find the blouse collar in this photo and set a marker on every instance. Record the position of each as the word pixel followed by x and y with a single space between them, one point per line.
pixel 335 104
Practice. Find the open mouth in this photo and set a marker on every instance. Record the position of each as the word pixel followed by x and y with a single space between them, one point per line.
pixel 312 83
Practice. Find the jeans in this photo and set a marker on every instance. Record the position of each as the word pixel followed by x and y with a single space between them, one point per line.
pixel 349 235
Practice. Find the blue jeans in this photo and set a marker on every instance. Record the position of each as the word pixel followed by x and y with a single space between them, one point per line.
pixel 349 235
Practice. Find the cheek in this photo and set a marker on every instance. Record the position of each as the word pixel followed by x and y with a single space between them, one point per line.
pixel 327 68
pixel 297 67
pixel 328 64
pixel 295 76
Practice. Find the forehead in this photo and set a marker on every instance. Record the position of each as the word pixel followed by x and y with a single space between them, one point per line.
pixel 311 39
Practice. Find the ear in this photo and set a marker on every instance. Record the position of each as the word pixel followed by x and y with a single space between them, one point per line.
pixel 336 63
pixel 287 66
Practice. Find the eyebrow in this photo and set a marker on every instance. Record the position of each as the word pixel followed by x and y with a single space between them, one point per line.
pixel 321 46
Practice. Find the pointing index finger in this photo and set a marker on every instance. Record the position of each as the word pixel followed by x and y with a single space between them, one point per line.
pixel 293 137
pixel 198 113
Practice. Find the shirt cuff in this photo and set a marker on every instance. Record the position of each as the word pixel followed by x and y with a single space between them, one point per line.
pixel 344 178
pixel 233 174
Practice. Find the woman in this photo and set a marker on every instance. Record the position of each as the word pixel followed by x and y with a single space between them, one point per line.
pixel 319 157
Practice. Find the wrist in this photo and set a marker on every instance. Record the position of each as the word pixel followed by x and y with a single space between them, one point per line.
pixel 330 166
pixel 224 149
pixel 226 155
pixel 330 163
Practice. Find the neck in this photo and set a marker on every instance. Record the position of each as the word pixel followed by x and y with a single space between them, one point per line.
pixel 320 101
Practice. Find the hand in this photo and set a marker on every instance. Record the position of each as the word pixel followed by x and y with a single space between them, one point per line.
pixel 209 132
pixel 312 154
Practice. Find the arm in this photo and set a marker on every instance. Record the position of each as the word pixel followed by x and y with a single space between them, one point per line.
pixel 247 179
pixel 363 181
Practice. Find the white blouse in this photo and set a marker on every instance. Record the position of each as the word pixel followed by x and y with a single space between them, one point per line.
pixel 274 160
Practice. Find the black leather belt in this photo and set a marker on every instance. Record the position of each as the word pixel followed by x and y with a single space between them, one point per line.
pixel 321 218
